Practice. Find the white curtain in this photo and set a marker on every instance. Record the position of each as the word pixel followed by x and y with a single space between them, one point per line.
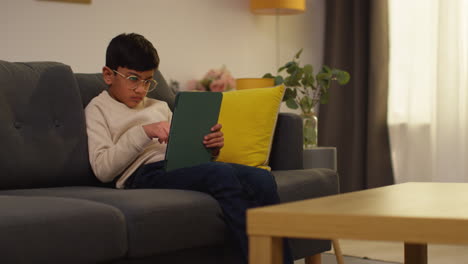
pixel 428 90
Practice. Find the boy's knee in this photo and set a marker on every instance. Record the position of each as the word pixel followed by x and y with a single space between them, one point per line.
pixel 265 178
pixel 221 171
pixel 221 167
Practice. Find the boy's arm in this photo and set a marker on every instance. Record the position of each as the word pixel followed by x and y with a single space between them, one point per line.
pixel 107 159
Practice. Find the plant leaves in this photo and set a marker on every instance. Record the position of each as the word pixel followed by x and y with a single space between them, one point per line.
pixel 296 76
pixel 279 80
pixel 289 93
pixel 298 80
pixel 308 69
pixel 323 79
pixel 323 76
pixel 286 66
pixel 306 104
pixel 292 68
pixel 326 69
pixel 310 82
pixel 342 77
pixel 291 103
pixel 268 75
pixel 324 97
pixel 298 54
pixel 308 78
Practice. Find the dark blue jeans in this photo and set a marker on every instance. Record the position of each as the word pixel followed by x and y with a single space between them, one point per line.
pixel 235 187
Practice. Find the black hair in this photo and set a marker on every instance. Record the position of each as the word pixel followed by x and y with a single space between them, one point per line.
pixel 132 51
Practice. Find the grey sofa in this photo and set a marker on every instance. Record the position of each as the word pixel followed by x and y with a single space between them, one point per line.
pixel 53 210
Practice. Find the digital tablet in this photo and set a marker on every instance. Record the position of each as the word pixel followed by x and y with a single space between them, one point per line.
pixel 195 113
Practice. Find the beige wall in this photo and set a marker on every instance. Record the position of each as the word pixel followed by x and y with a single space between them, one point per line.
pixel 192 36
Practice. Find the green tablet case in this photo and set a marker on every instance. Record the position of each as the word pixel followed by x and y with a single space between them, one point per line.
pixel 195 113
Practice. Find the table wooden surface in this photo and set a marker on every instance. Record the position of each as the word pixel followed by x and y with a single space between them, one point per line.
pixel 415 213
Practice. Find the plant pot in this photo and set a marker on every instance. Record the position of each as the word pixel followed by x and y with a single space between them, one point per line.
pixel 309 126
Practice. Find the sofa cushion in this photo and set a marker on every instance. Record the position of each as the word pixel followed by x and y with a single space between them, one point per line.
pixel 286 152
pixel 60 230
pixel 42 127
pixel 249 119
pixel 158 221
pixel 162 221
pixel 295 185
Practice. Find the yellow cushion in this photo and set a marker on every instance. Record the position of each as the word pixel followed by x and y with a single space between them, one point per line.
pixel 249 118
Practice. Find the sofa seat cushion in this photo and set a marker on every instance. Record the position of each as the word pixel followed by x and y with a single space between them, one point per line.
pixel 295 185
pixel 158 220
pixel 60 230
pixel 164 221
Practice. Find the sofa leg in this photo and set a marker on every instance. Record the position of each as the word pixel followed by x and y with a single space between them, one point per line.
pixel 314 259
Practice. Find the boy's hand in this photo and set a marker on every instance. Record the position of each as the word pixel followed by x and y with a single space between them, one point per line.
pixel 214 140
pixel 158 130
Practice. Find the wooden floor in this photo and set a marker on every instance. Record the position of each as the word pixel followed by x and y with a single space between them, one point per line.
pixel 329 258
pixel 393 252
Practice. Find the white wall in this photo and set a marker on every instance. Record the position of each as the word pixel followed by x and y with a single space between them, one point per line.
pixel 191 36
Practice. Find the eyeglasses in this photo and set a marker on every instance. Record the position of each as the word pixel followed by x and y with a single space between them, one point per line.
pixel 133 81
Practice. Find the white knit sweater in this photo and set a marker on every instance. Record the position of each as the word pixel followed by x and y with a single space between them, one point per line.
pixel 117 143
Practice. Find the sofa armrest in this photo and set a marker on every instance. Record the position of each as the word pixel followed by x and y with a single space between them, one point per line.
pixel 286 151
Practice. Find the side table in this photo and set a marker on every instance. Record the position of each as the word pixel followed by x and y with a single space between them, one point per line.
pixel 320 157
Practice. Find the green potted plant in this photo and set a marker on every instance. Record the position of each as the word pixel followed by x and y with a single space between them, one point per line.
pixel 305 90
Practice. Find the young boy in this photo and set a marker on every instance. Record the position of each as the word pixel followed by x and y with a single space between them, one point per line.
pixel 128 132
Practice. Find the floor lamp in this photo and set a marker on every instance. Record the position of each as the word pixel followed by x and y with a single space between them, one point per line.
pixel 277 8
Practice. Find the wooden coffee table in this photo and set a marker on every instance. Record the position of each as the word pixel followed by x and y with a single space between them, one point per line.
pixel 415 213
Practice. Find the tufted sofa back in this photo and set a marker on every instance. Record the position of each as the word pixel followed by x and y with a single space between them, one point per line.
pixel 42 123
pixel 42 127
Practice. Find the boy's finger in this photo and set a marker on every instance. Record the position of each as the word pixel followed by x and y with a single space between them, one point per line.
pixel 216 127
pixel 214 135
pixel 215 145
pixel 208 139
pixel 213 142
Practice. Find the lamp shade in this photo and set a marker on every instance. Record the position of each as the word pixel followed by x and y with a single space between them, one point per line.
pixel 249 83
pixel 277 7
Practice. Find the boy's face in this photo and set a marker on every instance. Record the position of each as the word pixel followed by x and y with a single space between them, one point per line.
pixel 124 90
